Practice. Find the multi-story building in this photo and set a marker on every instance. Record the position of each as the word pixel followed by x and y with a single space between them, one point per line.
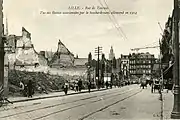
pixel 141 64
pixel 125 65
pixel 22 53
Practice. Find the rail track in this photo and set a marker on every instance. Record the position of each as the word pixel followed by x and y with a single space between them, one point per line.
pixel 82 118
pixel 22 106
pixel 105 95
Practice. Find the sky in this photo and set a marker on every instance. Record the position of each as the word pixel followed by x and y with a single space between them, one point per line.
pixel 83 33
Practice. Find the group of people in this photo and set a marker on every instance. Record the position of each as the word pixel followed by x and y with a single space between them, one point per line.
pixel 155 84
pixel 77 86
pixel 27 89
pixel 108 84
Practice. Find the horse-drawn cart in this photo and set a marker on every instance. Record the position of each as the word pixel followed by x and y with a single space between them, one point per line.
pixel 156 86
pixel 143 84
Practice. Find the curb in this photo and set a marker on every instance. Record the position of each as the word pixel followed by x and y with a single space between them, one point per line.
pixel 31 99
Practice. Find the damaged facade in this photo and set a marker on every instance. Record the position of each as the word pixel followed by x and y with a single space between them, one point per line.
pixel 22 54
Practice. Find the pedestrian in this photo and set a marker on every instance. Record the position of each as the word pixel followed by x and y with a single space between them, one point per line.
pixel 76 87
pixel 65 88
pixel 25 92
pixel 152 87
pixel 89 86
pixel 30 88
pixel 80 84
pixel 107 85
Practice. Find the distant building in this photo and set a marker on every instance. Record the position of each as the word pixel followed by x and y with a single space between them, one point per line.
pixel 111 54
pixel 156 68
pixel 141 64
pixel 80 62
pixel 125 65
pixel 62 58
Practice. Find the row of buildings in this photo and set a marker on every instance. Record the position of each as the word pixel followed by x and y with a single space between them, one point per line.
pixel 135 64
pixel 21 55
pixel 24 55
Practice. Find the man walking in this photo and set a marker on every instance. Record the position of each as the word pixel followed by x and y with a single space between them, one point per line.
pixel 80 85
pixel 30 88
pixel 89 86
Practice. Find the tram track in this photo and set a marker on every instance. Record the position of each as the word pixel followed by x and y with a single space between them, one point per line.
pixel 69 108
pixel 107 106
pixel 60 103
pixel 56 105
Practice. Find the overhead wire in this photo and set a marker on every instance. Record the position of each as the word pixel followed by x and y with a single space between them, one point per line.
pixel 119 28
pixel 148 45
pixel 121 34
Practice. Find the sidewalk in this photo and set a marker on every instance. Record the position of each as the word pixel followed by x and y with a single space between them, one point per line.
pixel 152 106
pixel 143 106
pixel 50 95
pixel 168 104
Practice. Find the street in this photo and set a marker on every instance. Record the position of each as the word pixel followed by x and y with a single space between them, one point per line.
pixel 128 102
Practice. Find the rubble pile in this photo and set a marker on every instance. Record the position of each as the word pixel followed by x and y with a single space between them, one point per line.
pixel 46 81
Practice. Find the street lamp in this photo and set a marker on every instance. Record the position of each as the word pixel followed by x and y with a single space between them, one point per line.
pixel 176 108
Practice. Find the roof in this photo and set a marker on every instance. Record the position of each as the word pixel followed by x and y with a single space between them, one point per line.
pixel 80 61
pixel 62 49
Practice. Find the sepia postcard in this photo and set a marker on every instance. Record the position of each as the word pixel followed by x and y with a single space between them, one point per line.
pixel 89 60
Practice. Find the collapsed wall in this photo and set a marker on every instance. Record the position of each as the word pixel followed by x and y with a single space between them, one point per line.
pixel 26 64
pixel 23 56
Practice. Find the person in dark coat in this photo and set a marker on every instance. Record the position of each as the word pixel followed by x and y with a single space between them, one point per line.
pixel 152 87
pixel 76 86
pixel 30 88
pixel 107 84
pixel 80 85
pixel 89 87
pixel 111 85
pixel 66 85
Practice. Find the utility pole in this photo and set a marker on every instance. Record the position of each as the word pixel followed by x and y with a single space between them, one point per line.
pixel 176 107
pixel 1 50
pixel 89 67
pixel 98 51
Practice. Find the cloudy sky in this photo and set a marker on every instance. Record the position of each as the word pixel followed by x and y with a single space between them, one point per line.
pixel 83 33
